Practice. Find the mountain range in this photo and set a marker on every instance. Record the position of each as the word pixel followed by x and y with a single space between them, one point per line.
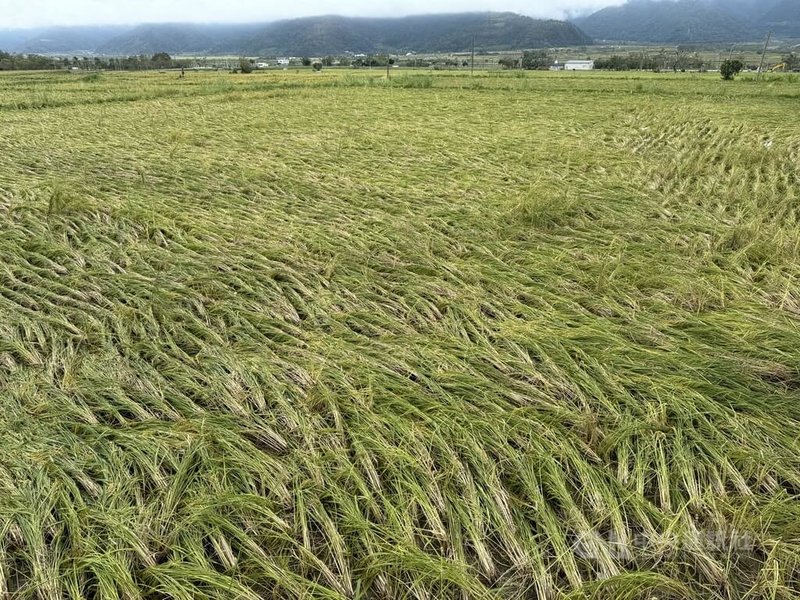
pixel 312 36
pixel 693 21
pixel 784 18
pixel 646 21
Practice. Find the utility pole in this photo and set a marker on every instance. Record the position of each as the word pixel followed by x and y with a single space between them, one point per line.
pixel 763 56
pixel 472 63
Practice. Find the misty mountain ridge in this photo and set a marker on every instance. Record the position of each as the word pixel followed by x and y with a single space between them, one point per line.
pixel 784 18
pixel 646 21
pixel 313 36
pixel 693 21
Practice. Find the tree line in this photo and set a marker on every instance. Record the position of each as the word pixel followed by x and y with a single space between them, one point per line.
pixel 637 61
pixel 36 62
pixel 162 60
pixel 677 61
pixel 537 59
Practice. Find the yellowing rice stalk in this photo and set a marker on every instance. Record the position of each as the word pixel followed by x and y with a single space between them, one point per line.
pixel 331 336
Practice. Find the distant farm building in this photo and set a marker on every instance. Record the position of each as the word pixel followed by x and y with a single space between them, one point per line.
pixel 579 65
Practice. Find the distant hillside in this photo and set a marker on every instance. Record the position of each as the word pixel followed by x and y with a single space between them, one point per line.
pixel 783 19
pixel 430 33
pixel 314 36
pixel 667 22
pixel 787 10
pixel 71 39
pixel 181 38
pixel 12 40
pixel 747 10
pixel 147 39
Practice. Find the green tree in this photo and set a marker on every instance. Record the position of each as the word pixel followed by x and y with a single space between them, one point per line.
pixel 792 61
pixel 536 60
pixel 245 65
pixel 730 69
pixel 306 61
pixel 376 60
pixel 507 63
pixel 161 60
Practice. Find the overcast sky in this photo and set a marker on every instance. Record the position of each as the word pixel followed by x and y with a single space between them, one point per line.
pixel 34 13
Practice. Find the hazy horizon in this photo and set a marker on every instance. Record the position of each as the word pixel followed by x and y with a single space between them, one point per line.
pixel 28 14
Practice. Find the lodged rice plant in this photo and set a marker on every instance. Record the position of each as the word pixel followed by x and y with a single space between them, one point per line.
pixel 340 337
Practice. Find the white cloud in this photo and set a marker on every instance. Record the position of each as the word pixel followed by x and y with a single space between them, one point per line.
pixel 32 13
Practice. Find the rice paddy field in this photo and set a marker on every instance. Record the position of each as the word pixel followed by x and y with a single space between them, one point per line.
pixel 293 336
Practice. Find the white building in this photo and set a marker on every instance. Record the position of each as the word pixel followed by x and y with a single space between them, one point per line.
pixel 283 62
pixel 579 65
